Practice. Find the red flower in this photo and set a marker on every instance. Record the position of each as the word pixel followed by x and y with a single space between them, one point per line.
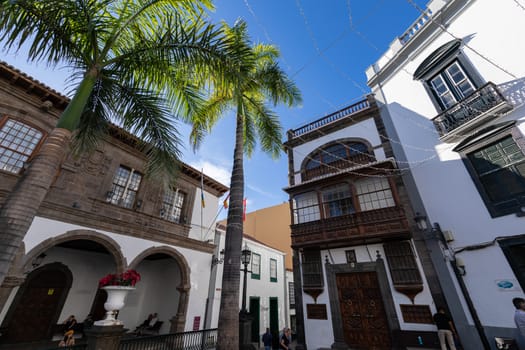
pixel 127 278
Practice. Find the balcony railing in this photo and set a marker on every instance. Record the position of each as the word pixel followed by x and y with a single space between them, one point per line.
pixel 481 105
pixel 324 169
pixel 354 228
pixel 345 112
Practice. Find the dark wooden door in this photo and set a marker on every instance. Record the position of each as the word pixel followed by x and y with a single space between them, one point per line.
pixel 37 306
pixel 362 311
pixel 274 321
pixel 255 314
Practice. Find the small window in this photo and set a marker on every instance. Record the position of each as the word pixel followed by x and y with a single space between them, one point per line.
pixel 451 85
pixel 17 143
pixel 337 200
pixel 172 204
pixel 374 193
pixel 273 270
pixel 125 187
pixel 402 264
pixel 291 294
pixel 312 269
pixel 306 207
pixel 256 266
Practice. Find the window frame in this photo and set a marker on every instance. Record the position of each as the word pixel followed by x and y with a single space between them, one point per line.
pixel 273 264
pixel 119 200
pixel 484 139
pixel 4 119
pixel 441 59
pixel 166 207
pixel 327 208
pixel 450 84
pixel 255 275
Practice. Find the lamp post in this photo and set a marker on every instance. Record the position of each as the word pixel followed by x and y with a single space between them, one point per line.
pixel 246 256
pixel 245 321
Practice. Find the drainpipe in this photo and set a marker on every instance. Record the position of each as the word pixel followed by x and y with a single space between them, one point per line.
pixel 464 291
pixel 470 305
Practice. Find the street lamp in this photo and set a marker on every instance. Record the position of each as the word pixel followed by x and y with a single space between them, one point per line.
pixel 246 256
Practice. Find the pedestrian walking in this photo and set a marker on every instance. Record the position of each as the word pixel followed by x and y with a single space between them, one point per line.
pixel 446 331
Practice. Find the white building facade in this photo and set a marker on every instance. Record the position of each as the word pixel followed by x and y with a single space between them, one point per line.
pixel 451 91
pixel 360 279
pixel 267 287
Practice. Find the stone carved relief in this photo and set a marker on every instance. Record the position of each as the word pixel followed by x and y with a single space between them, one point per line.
pixel 96 163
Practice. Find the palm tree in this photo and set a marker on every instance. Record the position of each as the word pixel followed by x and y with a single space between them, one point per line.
pixel 137 62
pixel 255 80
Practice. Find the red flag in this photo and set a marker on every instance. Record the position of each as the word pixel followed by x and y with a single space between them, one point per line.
pixel 244 209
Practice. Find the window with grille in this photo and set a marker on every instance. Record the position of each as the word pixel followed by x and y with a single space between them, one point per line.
pixel 256 266
pixel 125 187
pixel 495 160
pixel 305 207
pixel 273 270
pixel 374 193
pixel 291 294
pixel 402 264
pixel 312 269
pixel 500 169
pixel 337 200
pixel 172 204
pixel 17 143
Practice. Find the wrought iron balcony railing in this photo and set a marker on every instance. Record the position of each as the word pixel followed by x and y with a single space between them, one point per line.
pixel 482 105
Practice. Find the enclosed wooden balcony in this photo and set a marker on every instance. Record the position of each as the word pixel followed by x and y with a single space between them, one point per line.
pixel 482 106
pixel 357 228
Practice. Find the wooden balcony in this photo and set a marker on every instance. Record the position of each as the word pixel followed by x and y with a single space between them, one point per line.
pixel 333 167
pixel 482 106
pixel 362 227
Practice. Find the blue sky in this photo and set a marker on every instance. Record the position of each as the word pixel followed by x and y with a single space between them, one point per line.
pixel 326 47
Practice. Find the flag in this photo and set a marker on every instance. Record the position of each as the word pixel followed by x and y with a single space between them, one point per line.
pixel 225 202
pixel 203 204
pixel 244 209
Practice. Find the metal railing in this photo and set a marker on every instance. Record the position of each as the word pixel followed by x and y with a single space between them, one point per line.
pixel 345 112
pixel 195 340
pixel 72 347
pixel 479 102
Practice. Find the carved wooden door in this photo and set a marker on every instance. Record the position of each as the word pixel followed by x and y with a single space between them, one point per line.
pixel 362 311
pixel 37 307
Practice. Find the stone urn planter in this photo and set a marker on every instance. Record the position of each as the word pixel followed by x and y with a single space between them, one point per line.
pixel 115 302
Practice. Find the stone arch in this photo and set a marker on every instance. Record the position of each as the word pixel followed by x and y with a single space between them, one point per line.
pixel 179 321
pixel 107 242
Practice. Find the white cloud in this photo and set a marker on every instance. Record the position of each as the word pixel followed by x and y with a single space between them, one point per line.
pixel 219 173
pixel 262 192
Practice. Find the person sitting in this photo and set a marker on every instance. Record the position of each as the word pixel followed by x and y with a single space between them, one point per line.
pixel 70 323
pixel 144 325
pixel 68 339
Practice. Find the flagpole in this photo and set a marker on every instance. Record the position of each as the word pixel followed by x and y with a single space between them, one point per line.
pixel 202 199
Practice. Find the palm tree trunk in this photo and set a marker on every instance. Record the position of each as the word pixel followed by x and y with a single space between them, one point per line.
pixel 22 203
pixel 228 332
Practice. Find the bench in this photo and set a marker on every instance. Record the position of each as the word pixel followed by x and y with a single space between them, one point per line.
pixel 153 330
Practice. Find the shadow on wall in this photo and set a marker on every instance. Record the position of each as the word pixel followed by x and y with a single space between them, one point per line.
pixel 514 91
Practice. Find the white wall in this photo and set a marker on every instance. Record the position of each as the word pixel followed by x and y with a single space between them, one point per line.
pixel 90 270
pixel 262 288
pixel 319 333
pixel 494 31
